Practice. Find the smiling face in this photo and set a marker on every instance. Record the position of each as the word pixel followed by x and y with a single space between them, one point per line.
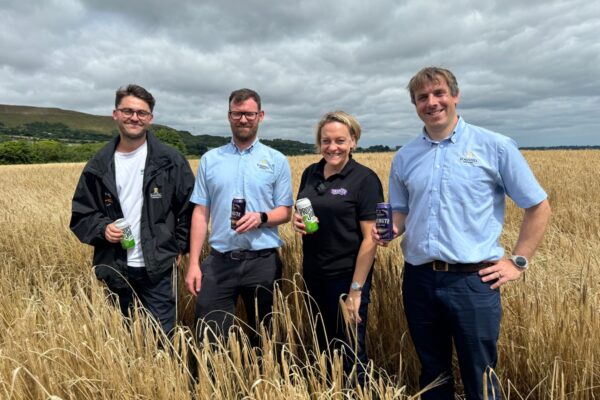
pixel 436 107
pixel 132 127
pixel 335 145
pixel 244 130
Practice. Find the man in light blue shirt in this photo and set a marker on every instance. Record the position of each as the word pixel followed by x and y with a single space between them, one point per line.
pixel 447 190
pixel 243 261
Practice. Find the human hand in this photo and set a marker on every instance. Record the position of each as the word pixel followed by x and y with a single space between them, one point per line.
pixel 193 279
pixel 377 239
pixel 249 221
pixel 299 224
pixel 352 304
pixel 113 234
pixel 503 271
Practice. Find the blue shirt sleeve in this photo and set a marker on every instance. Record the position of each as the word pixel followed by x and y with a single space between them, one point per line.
pixel 200 194
pixel 282 191
pixel 519 182
pixel 398 194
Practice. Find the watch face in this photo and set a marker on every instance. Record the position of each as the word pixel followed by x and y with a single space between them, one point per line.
pixel 520 261
pixel 355 286
pixel 263 217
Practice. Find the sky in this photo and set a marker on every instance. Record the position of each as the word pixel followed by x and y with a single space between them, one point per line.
pixel 527 69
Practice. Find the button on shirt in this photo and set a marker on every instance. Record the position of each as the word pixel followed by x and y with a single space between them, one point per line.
pixel 453 193
pixel 259 174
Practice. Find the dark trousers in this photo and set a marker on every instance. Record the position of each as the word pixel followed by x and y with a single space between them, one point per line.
pixel 158 298
pixel 445 306
pixel 331 330
pixel 223 280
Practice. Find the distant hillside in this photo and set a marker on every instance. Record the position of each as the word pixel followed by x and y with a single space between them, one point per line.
pixel 15 116
pixel 72 127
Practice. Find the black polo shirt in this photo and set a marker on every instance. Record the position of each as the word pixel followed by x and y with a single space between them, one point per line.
pixel 340 202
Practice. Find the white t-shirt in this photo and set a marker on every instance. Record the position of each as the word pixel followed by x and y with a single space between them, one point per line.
pixel 129 173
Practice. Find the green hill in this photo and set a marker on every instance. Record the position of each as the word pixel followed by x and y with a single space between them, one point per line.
pixel 73 127
pixel 16 116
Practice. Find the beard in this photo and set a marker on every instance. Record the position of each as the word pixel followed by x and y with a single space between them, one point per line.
pixel 244 134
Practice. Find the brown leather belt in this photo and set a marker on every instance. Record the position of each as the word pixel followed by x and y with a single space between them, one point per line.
pixel 241 255
pixel 442 266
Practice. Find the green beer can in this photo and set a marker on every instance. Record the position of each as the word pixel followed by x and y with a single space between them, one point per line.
pixel 305 209
pixel 127 240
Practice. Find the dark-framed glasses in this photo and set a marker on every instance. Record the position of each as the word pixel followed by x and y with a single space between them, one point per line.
pixel 237 115
pixel 141 114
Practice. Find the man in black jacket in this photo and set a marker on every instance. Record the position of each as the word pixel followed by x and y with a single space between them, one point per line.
pixel 149 184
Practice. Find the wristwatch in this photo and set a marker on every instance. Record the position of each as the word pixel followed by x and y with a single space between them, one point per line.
pixel 263 218
pixel 355 286
pixel 520 261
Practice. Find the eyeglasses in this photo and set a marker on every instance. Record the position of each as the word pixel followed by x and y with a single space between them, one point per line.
pixel 237 115
pixel 128 112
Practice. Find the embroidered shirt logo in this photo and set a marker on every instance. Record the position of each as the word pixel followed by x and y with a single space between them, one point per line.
pixel 156 194
pixel 263 164
pixel 469 158
pixel 339 192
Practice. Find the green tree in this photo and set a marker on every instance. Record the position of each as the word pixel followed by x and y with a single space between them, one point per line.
pixel 46 151
pixel 171 138
pixel 16 152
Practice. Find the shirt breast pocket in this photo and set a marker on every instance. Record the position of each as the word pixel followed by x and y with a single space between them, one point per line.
pixel 471 181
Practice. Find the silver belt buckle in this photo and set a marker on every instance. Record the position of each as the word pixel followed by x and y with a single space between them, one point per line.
pixel 440 266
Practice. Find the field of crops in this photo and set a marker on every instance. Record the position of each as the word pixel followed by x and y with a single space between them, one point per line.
pixel 61 338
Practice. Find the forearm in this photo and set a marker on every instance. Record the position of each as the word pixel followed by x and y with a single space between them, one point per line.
pixel 366 254
pixel 198 230
pixel 399 223
pixel 535 221
pixel 279 215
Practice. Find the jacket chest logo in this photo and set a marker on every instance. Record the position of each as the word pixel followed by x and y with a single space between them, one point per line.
pixel 108 199
pixel 156 193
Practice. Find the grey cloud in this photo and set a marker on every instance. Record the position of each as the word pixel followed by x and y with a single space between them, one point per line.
pixel 525 69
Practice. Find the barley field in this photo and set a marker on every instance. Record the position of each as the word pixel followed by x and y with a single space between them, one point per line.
pixel 60 338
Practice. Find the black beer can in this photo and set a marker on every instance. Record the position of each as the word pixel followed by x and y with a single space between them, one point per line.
pixel 238 209
pixel 383 222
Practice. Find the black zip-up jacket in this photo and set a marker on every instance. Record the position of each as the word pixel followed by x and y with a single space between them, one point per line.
pixel 166 211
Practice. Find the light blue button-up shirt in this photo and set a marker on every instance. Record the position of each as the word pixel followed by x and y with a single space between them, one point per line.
pixel 453 193
pixel 259 174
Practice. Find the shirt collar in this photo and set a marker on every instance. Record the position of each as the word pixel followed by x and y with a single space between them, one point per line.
pixel 233 147
pixel 350 165
pixel 456 135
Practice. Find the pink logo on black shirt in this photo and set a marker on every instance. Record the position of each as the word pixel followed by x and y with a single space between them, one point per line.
pixel 339 192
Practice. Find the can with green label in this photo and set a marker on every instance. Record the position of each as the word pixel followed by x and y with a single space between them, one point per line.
pixel 127 240
pixel 305 209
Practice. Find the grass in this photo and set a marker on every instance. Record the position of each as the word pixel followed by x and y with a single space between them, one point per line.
pixel 59 336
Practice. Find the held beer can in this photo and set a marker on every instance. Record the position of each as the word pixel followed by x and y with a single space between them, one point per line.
pixel 238 209
pixel 127 240
pixel 383 222
pixel 308 215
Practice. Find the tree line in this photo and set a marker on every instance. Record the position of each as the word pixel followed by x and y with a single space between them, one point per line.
pixel 47 142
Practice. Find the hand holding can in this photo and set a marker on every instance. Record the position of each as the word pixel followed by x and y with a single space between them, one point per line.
pixel 305 209
pixel 384 223
pixel 127 240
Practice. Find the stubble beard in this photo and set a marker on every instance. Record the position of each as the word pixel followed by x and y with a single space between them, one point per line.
pixel 244 136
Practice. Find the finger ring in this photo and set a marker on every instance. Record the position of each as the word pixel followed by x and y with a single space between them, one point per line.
pixel 499 275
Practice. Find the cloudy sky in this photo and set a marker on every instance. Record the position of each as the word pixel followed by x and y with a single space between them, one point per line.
pixel 528 69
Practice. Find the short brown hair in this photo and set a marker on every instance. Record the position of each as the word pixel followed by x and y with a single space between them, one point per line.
pixel 343 118
pixel 135 91
pixel 241 95
pixel 432 74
